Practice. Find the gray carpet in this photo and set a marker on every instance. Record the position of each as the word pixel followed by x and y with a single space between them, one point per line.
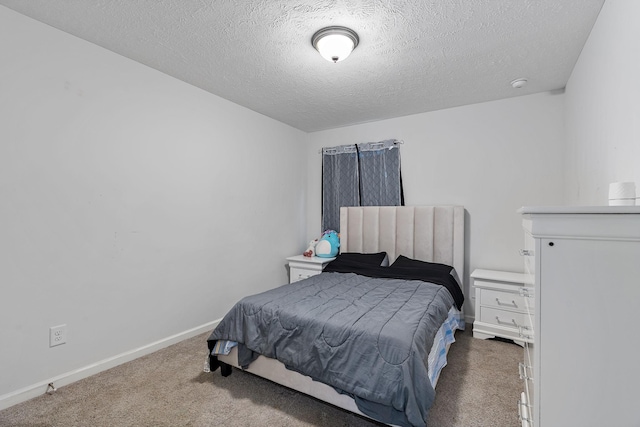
pixel 479 387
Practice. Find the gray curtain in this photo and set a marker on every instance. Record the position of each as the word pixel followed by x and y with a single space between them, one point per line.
pixel 364 175
pixel 380 183
pixel 339 183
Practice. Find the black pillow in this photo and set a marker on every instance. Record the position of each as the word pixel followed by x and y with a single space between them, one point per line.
pixel 348 260
pixel 441 274
pixel 405 262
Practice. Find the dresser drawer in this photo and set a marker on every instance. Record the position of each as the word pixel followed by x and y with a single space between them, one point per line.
pixel 505 319
pixel 502 300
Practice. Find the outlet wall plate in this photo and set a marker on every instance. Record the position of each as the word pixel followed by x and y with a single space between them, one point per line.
pixel 57 335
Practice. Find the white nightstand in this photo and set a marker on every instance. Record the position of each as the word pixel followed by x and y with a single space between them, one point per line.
pixel 301 267
pixel 500 306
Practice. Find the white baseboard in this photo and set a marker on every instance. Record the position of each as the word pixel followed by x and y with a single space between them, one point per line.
pixel 40 388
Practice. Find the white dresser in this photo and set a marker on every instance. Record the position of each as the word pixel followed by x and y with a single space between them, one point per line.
pixel 582 367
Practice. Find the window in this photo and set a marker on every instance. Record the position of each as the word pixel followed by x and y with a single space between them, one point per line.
pixel 360 175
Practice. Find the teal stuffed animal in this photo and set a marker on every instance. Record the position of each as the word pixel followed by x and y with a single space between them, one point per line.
pixel 328 244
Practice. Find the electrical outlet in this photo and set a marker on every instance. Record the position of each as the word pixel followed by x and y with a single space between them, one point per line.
pixel 57 335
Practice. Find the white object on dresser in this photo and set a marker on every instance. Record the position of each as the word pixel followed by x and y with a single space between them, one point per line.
pixel 585 266
pixel 302 267
pixel 500 306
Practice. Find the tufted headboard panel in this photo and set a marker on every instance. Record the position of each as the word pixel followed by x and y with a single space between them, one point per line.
pixel 427 233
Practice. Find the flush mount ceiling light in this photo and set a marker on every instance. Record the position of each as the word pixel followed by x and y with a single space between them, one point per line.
pixel 335 43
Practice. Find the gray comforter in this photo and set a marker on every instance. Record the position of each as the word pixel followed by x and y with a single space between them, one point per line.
pixel 366 337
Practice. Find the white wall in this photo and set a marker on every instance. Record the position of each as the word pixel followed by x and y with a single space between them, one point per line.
pixel 603 108
pixel 492 158
pixel 133 206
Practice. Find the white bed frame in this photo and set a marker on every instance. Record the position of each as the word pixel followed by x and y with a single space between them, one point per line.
pixel 427 233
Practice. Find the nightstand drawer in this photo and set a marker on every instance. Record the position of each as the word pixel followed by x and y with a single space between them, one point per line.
pixel 502 300
pixel 296 274
pixel 506 319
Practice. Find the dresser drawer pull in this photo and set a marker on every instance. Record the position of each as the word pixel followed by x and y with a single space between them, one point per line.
pixel 503 322
pixel 527 252
pixel 523 332
pixel 522 370
pixel 526 292
pixel 512 303
pixel 522 407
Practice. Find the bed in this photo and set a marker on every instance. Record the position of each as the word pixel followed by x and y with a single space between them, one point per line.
pixel 325 335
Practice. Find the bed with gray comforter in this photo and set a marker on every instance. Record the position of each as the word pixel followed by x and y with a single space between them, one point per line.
pixel 366 331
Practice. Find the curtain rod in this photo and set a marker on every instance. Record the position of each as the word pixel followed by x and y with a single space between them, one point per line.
pixel 395 142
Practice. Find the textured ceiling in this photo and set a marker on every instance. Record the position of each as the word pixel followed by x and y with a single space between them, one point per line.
pixel 414 56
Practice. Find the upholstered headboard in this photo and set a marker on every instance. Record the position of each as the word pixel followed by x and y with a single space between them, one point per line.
pixel 427 233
